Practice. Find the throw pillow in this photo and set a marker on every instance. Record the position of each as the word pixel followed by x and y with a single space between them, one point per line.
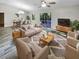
pixel 24 28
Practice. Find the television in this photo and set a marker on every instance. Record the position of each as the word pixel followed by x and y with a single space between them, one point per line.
pixel 64 22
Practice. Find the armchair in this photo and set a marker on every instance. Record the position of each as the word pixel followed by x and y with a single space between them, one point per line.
pixel 24 52
pixel 71 50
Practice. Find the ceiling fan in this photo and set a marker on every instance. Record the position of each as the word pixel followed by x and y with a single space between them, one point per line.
pixel 47 3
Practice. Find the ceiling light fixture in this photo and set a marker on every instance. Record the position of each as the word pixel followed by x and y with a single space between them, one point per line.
pixel 48 1
pixel 43 4
pixel 20 12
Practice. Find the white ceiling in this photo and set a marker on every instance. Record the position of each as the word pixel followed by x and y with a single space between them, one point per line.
pixel 34 4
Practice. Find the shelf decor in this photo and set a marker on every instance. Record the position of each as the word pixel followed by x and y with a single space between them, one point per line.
pixel 28 18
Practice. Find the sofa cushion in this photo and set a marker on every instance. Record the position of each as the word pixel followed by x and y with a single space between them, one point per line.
pixel 43 54
pixel 32 32
pixel 71 34
pixel 24 27
pixel 35 48
pixel 23 50
pixel 38 29
pixel 25 39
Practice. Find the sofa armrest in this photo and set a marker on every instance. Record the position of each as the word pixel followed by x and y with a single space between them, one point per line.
pixel 71 34
pixel 25 39
pixel 71 52
pixel 22 32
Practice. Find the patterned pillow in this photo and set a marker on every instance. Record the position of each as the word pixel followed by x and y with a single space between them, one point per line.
pixel 24 28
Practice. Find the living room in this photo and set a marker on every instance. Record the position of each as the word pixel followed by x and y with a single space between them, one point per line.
pixel 39 25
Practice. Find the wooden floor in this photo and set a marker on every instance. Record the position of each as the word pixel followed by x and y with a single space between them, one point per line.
pixel 6 44
pixel 5 34
pixel 9 49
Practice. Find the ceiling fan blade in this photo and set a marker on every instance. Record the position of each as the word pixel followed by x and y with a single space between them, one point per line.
pixel 52 2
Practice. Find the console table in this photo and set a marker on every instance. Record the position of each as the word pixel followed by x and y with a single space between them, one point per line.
pixel 63 28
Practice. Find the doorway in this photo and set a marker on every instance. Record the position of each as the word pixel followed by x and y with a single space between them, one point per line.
pixel 1 19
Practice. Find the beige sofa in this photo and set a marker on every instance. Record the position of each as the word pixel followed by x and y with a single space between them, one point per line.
pixel 30 32
pixel 19 33
pixel 24 52
pixel 71 50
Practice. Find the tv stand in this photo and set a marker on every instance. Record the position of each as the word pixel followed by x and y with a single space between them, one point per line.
pixel 63 28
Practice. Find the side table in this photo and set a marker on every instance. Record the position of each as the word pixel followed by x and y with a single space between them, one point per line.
pixel 16 34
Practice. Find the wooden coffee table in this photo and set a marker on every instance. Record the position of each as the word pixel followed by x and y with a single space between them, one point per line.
pixel 47 40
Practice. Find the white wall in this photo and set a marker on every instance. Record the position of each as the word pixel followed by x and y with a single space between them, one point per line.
pixel 37 17
pixel 66 12
pixel 63 12
pixel 9 14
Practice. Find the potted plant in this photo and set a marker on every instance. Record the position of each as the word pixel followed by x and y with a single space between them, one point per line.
pixel 75 25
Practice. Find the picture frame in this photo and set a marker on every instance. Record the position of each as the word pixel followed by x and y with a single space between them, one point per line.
pixel 33 17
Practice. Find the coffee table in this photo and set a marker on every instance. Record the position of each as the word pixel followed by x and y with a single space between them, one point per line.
pixel 47 40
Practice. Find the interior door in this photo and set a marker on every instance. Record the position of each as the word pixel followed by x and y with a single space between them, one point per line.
pixel 1 19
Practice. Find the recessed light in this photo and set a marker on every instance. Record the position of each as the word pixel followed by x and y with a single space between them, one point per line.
pixel 20 12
